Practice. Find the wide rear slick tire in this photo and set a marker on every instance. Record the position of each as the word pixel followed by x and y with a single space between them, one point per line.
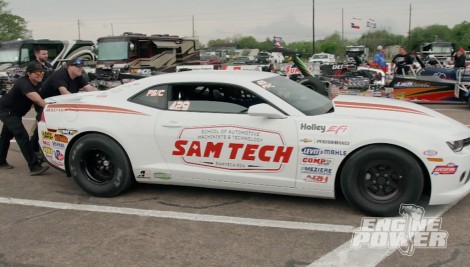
pixel 315 84
pixel 378 178
pixel 99 165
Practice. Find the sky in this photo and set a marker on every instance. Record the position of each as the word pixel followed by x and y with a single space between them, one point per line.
pixel 293 20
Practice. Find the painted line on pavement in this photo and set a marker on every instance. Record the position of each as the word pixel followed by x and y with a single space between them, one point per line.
pixel 344 255
pixel 181 215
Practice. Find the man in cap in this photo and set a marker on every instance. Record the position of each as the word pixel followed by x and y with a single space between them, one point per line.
pixel 13 106
pixel 64 81
pixel 402 62
pixel 379 58
pixel 459 59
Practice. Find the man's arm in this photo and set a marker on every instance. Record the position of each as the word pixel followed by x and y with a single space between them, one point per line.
pixel 89 88
pixel 63 90
pixel 36 98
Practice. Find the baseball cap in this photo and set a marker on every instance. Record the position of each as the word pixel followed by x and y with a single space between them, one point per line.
pixel 75 62
pixel 35 66
pixel 379 47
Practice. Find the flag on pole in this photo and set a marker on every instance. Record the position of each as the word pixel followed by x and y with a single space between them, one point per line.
pixel 355 26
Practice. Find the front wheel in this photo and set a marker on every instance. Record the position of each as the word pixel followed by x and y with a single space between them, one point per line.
pixel 377 179
pixel 100 166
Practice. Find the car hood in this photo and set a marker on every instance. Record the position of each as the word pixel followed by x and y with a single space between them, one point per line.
pixel 388 111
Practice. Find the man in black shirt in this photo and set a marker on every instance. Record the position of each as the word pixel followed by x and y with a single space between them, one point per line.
pixel 13 106
pixel 66 81
pixel 402 62
pixel 41 54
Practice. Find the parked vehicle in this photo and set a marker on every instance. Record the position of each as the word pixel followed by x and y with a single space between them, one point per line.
pixel 356 52
pixel 322 58
pixel 140 54
pixel 257 131
pixel 243 60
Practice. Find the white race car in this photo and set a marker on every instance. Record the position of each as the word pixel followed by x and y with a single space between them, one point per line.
pixel 257 131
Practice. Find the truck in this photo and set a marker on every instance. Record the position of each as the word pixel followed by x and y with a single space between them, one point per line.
pixel 439 50
pixel 16 55
pixel 132 55
pixel 354 52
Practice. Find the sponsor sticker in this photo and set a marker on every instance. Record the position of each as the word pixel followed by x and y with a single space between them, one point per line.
pixel 316 179
pixel 450 168
pixel 47 135
pixel 317 161
pixel 316 170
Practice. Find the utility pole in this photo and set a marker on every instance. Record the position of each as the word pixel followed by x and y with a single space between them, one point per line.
pixel 409 32
pixel 112 30
pixel 313 26
pixel 342 24
pixel 78 23
pixel 193 26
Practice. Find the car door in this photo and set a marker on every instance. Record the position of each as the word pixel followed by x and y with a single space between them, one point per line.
pixel 206 135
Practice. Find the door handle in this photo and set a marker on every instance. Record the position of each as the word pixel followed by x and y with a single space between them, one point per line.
pixel 172 124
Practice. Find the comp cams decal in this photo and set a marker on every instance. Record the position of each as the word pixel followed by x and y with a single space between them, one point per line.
pixel 233 148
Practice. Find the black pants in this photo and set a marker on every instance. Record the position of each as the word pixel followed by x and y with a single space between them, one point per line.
pixel 35 137
pixel 13 127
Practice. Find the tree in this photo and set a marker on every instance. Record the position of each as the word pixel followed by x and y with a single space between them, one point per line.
pixel 12 26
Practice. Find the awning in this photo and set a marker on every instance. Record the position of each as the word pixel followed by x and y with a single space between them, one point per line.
pixel 165 44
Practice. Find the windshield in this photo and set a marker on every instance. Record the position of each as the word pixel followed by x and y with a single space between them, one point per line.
pixel 302 98
pixel 320 57
pixel 113 50
pixel 10 55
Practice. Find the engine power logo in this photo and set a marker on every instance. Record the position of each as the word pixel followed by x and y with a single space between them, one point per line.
pixel 406 234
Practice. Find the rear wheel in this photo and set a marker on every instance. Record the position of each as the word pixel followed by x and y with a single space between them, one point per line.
pixel 377 179
pixel 100 166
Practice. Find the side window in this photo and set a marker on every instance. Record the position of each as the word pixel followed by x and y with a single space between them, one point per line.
pixel 155 97
pixel 218 98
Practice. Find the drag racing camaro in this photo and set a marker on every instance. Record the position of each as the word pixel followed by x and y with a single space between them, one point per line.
pixel 257 131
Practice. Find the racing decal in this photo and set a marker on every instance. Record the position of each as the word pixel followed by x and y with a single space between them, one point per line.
pixel 90 108
pixel 430 153
pixel 263 84
pixel 56 144
pixel 233 148
pixel 331 129
pixel 314 151
pixel 306 140
pixel 158 93
pixel 46 143
pixel 61 138
pixel 332 142
pixel 383 107
pixel 47 135
pixel 48 150
pixel 58 155
pixel 450 168
pixel 316 170
pixel 435 159
pixel 143 174
pixel 161 175
pixel 317 161
pixel 316 178
pixel 67 131
pixel 180 105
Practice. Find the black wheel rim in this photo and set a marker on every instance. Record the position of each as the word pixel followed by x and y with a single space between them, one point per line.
pixel 381 182
pixel 98 166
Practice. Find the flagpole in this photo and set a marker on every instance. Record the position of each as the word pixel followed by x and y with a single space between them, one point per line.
pixel 313 26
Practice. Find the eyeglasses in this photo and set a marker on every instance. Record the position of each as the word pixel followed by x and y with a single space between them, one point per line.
pixel 39 72
pixel 78 62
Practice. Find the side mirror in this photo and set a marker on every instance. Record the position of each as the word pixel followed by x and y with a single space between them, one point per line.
pixel 94 48
pixel 265 110
pixel 131 46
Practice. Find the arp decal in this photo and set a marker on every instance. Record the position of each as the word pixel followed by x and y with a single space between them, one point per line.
pixel 61 138
pixel 316 178
pixel 47 135
pixel 450 168
pixel 233 148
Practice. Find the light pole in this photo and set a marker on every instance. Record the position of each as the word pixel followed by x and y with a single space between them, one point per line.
pixel 313 27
